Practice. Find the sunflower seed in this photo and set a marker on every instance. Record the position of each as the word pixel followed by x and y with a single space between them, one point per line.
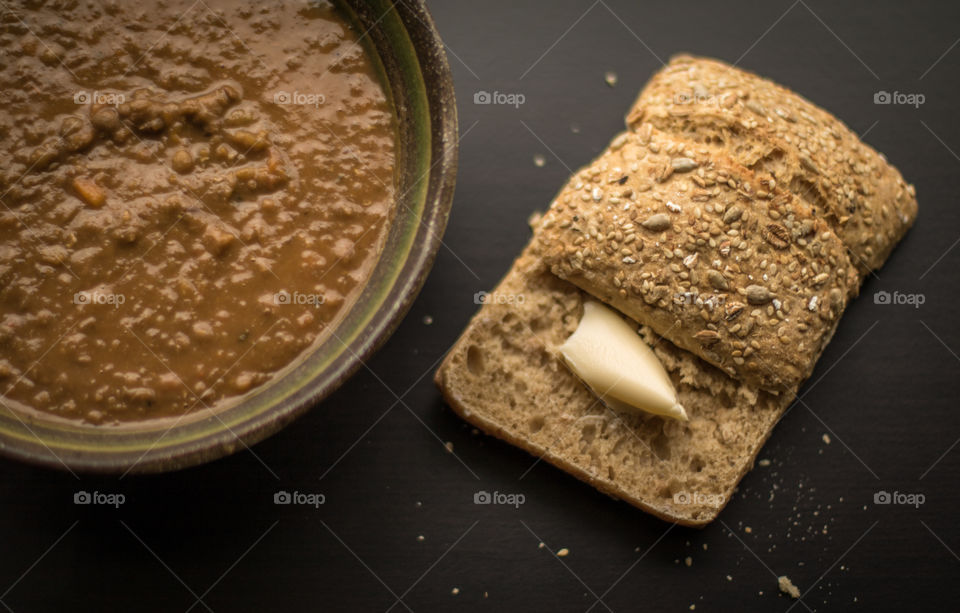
pixel 644 133
pixel 733 214
pixel 683 164
pixel 807 163
pixel 657 223
pixel 707 337
pixel 756 108
pixel 665 172
pixel 836 298
pixel 758 294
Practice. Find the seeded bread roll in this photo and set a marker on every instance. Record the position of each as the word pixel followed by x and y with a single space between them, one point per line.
pixel 688 243
pixel 505 376
pixel 789 142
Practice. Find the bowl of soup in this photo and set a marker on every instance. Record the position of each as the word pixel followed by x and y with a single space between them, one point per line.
pixel 212 213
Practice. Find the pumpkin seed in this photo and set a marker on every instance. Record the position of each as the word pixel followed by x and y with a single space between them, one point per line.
pixel 717 280
pixel 758 294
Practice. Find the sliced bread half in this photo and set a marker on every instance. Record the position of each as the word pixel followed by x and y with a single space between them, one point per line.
pixel 505 376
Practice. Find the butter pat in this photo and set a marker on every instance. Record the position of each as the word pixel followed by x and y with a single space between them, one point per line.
pixel 609 356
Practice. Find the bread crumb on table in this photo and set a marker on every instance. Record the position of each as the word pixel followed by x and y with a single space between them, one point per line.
pixel 449 446
pixel 748 529
pixel 787 587
pixel 764 462
pixel 455 591
pixel 826 439
pixel 688 561
pixel 563 552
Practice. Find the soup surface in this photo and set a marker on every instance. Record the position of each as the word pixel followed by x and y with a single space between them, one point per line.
pixel 192 193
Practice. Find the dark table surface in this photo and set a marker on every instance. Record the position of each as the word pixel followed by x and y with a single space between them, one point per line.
pixel 878 415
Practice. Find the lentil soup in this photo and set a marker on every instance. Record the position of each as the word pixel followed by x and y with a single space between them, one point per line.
pixel 191 198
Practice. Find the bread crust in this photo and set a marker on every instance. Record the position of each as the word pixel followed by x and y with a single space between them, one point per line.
pixel 780 135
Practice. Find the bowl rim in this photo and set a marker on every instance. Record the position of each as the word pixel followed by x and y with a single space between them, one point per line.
pixel 440 181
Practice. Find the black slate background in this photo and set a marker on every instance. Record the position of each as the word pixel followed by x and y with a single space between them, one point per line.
pixel 885 391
